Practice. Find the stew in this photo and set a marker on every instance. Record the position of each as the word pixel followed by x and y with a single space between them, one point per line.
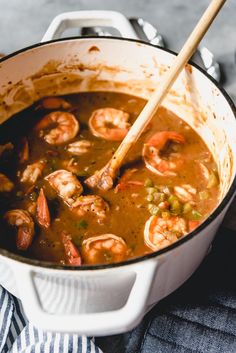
pixel 166 188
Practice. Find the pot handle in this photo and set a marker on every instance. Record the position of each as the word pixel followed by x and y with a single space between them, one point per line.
pixel 89 18
pixel 94 324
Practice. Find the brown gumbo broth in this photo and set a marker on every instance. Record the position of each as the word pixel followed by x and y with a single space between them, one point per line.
pixel 166 188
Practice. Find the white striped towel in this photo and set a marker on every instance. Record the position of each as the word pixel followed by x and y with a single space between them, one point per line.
pixel 17 335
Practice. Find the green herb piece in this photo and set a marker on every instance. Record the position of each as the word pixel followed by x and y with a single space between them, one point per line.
pixel 187 208
pixel 172 198
pixel 213 180
pixel 204 195
pixel 196 216
pixel 151 190
pixel 148 183
pixel 82 224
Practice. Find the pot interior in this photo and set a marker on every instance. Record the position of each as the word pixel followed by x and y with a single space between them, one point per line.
pixel 108 64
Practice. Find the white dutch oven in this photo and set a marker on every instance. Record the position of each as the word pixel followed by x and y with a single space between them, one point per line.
pixel 104 300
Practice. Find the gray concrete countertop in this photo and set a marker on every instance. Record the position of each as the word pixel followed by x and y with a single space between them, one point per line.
pixel 23 23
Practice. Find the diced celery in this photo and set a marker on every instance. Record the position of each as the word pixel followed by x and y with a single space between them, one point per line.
pixel 148 183
pixel 176 207
pixel 196 216
pixel 149 197
pixel 151 190
pixel 187 208
pixel 153 209
pixel 172 198
pixel 162 197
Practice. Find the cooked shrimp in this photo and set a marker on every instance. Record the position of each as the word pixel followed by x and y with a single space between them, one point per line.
pixel 91 203
pixel 32 172
pixel 159 232
pixel 109 123
pixel 71 252
pixel 5 184
pixel 66 129
pixel 152 153
pixel 23 221
pixel 104 248
pixel 66 185
pixel 55 103
pixel 79 148
pixel 42 211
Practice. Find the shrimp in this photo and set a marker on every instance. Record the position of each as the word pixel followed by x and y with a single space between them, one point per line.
pixel 159 232
pixel 152 153
pixel 32 172
pixel 109 123
pixel 66 185
pixel 55 103
pixel 91 203
pixel 71 252
pixel 104 248
pixel 79 148
pixel 42 211
pixel 66 129
pixel 23 221
pixel 5 184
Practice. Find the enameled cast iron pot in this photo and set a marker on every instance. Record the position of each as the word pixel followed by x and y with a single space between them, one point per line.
pixel 109 299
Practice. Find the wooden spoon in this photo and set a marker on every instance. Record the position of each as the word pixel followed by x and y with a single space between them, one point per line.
pixel 103 179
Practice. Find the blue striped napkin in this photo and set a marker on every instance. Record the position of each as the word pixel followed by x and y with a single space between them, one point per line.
pixel 17 335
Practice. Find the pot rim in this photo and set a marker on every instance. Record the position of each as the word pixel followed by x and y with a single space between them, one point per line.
pixel 210 219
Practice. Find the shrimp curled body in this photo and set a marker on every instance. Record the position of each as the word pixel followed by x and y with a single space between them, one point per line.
pixel 159 232
pixel 66 128
pixel 152 153
pixel 32 172
pixel 91 203
pixel 23 221
pixel 109 123
pixel 66 185
pixel 104 248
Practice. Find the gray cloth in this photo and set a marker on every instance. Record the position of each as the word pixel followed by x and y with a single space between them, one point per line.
pixel 200 317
